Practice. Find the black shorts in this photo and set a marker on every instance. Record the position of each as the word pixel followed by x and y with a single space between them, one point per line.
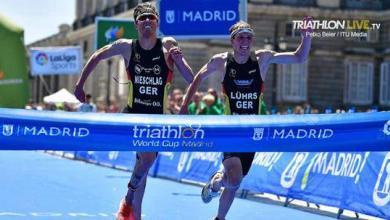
pixel 129 110
pixel 245 158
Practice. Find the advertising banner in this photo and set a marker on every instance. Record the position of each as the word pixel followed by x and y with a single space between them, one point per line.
pixel 199 18
pixel 24 129
pixel 357 181
pixel 109 30
pixel 55 60
pixel 14 90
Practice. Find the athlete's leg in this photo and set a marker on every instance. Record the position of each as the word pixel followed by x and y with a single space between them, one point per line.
pixel 231 181
pixel 138 197
pixel 136 186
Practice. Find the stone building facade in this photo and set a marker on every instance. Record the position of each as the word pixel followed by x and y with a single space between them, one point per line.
pixel 341 72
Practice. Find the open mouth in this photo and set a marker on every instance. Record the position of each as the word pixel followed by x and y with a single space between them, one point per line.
pixel 244 47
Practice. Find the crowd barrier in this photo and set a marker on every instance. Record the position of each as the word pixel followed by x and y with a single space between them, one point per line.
pixel 356 181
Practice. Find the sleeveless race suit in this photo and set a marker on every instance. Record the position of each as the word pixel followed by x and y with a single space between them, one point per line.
pixel 150 79
pixel 243 90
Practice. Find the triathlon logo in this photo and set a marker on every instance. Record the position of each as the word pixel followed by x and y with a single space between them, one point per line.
pixel 386 128
pixel 170 16
pixel 258 134
pixel 381 193
pixel 8 130
pixel 290 174
pixel 191 131
pixel 42 59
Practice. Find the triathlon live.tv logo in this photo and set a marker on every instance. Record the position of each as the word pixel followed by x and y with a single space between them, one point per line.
pixel 336 28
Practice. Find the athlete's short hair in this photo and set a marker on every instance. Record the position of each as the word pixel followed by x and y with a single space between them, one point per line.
pixel 240 27
pixel 144 9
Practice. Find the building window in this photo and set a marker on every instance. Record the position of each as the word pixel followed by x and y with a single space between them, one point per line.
pixel 296 2
pixel 366 4
pixel 290 31
pixel 359 83
pixel 373 36
pixel 85 46
pixel 384 96
pixel 292 84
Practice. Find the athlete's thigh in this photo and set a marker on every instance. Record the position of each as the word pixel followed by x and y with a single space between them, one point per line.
pixel 233 166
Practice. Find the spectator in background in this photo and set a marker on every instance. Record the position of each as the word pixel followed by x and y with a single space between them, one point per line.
pixel 175 101
pixel 298 110
pixel 196 106
pixel 87 106
pixel 307 108
pixel 100 106
pixel 113 107
pixel 218 105
pixel 211 108
pixel 30 105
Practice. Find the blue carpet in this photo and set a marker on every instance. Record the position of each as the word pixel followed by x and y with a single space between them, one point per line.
pixel 34 185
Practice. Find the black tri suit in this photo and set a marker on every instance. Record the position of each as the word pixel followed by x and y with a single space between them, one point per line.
pixel 243 90
pixel 149 80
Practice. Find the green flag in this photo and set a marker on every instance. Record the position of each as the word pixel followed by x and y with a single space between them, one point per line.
pixel 109 30
pixel 13 66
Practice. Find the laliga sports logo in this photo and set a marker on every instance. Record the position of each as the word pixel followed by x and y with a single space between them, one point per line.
pixel 8 130
pixel 289 175
pixel 381 193
pixel 41 59
pixel 170 16
pixel 114 33
pixel 386 128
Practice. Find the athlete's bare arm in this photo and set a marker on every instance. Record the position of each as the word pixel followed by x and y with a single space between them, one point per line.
pixel 120 47
pixel 216 65
pixel 176 54
pixel 266 57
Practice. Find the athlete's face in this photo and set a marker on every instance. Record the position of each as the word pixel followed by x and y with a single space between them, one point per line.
pixel 242 43
pixel 147 24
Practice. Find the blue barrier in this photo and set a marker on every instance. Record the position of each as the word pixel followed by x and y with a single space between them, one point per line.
pixel 357 181
pixel 70 131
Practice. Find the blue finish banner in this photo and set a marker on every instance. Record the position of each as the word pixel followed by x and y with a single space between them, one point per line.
pixel 196 19
pixel 74 131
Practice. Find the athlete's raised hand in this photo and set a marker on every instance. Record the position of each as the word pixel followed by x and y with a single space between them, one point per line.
pixel 176 53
